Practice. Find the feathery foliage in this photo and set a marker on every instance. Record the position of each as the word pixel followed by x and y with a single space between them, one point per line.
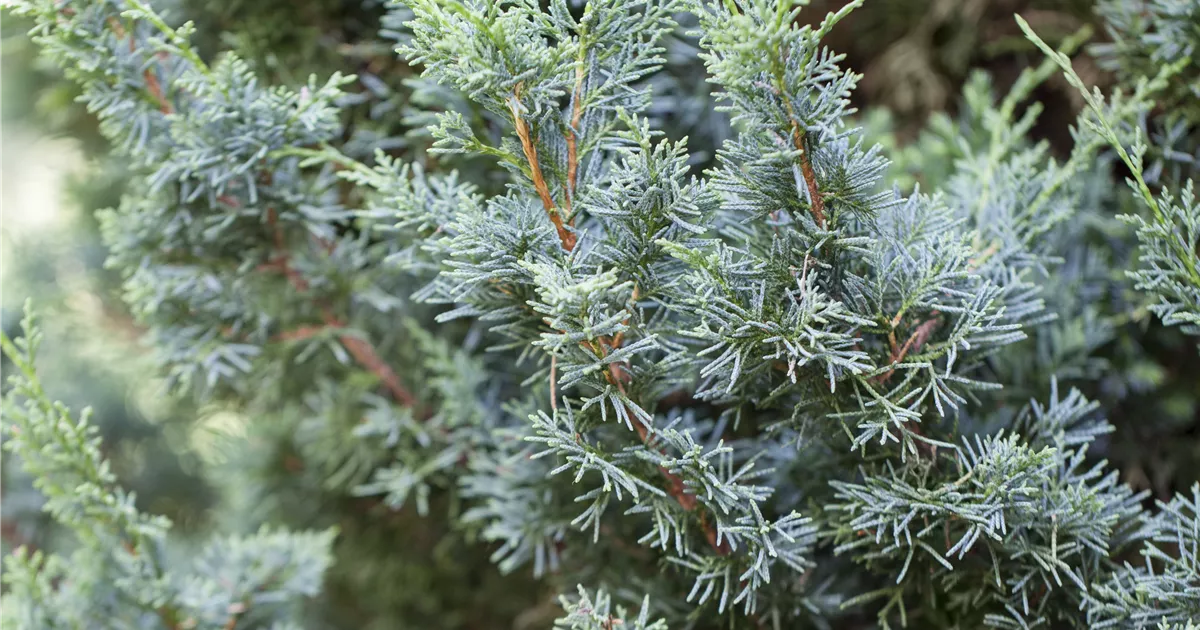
pixel 770 386
pixel 123 571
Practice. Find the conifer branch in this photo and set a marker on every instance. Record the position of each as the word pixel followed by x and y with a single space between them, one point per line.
pixel 675 485
pixel 620 378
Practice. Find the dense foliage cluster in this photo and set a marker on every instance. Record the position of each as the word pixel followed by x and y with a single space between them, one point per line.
pixel 769 374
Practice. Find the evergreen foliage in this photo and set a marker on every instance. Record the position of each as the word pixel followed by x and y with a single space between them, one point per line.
pixel 1147 35
pixel 123 573
pixel 1170 267
pixel 785 384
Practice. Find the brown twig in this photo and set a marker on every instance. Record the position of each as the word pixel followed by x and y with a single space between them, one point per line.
pixel 300 334
pixel 365 354
pixel 915 341
pixel 572 140
pixel 153 85
pixel 815 197
pixel 566 236
pixel 618 377
pixel 554 383
pixel 362 351
pixel 155 89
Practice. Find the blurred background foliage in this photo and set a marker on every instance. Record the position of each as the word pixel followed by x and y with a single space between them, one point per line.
pixel 182 458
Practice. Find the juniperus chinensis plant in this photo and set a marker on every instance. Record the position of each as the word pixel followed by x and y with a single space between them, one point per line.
pixel 773 392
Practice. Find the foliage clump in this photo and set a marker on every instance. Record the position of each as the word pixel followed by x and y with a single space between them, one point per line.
pixel 770 388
